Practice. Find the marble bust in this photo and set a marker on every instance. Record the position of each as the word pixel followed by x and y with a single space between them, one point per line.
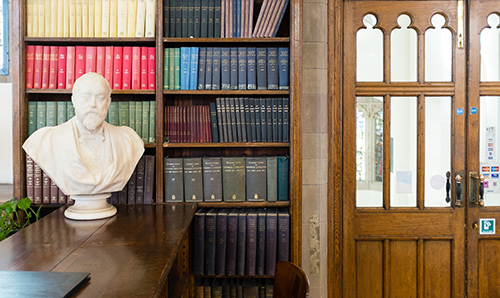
pixel 87 157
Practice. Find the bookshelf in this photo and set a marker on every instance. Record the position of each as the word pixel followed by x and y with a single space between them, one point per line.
pixel 288 35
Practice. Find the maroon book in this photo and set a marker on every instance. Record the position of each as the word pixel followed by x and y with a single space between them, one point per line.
pixel 30 171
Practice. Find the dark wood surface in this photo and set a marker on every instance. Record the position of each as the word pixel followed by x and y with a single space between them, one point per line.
pixel 128 255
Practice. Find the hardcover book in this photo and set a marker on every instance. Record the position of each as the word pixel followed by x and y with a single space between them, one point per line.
pixel 284 68
pixel 283 235
pixel 210 241
pixel 193 179
pixel 199 242
pixel 261 242
pixel 225 69
pixel 256 168
pixel 251 245
pixel 283 168
pixel 242 68
pixel 234 68
pixel 233 179
pixel 272 69
pixel 271 240
pixel 201 68
pixel 216 56
pixel 212 179
pixel 241 242
pixel 173 179
pixel 261 68
pixel 232 241
pixel 272 178
pixel 221 239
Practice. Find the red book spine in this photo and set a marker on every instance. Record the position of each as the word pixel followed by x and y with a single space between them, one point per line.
pixel 37 70
pixel 108 65
pixel 136 68
pixel 30 171
pixel 208 126
pixel 80 52
pixel 54 192
pixel 37 185
pixel 117 67
pixel 70 67
pixel 90 62
pixel 151 68
pixel 45 67
pixel 61 68
pixel 144 68
pixel 54 51
pixel 166 120
pixel 30 65
pixel 100 65
pixel 127 68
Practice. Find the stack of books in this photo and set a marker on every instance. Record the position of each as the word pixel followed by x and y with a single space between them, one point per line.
pixel 40 189
pixel 141 185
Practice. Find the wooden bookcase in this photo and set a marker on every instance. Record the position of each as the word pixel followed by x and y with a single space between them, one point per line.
pixel 289 35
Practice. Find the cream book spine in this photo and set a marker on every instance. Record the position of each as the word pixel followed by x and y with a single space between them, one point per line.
pixel 141 18
pixel 54 18
pixel 48 7
pixel 150 18
pixel 29 19
pixel 122 18
pixel 41 18
pixel 60 18
pixel 97 18
pixel 105 18
pixel 91 4
pixel 131 17
pixel 85 18
pixel 65 18
pixel 78 25
pixel 113 18
pixel 72 18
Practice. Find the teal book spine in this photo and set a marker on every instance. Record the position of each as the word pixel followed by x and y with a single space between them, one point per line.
pixel 138 118
pixel 283 169
pixel 145 121
pixel 62 107
pixel 272 178
pixel 71 111
pixel 193 67
pixel 32 117
pixel 113 113
pixel 123 117
pixel 185 70
pixel 51 113
pixel 166 80
pixel 152 122
pixel 41 111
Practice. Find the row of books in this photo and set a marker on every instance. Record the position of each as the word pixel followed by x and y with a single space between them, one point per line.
pixel 228 179
pixel 188 124
pixel 57 67
pixel 238 242
pixel 234 288
pixel 140 116
pixel 269 18
pixel 40 189
pixel 91 18
pixel 226 68
pixel 141 185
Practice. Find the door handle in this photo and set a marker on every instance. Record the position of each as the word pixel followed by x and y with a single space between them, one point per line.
pixel 476 192
pixel 458 190
pixel 448 187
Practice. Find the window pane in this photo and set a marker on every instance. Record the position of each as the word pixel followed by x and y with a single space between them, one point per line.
pixel 404 52
pixel 369 52
pixel 438 48
pixel 490 45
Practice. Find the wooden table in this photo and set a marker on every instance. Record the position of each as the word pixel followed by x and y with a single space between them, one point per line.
pixel 128 255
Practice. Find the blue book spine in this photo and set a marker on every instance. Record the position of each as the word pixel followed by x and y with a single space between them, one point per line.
pixel 282 13
pixel 248 120
pixel 238 18
pixel 216 69
pixel 251 70
pixel 283 168
pixel 217 18
pixel 263 119
pixel 201 67
pixel 261 68
pixel 193 64
pixel 204 19
pixel 208 69
pixel 235 20
pixel 234 68
pixel 185 69
pixel 242 68
pixel 272 69
pixel 225 68
pixel 211 15
pixel 284 68
pixel 280 118
pixel 256 119
pixel 286 120
pixel 197 18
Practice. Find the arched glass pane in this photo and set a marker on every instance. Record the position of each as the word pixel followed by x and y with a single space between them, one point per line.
pixel 369 52
pixel 489 161
pixel 437 149
pixel 438 51
pixel 404 52
pixel 404 152
pixel 369 151
pixel 490 50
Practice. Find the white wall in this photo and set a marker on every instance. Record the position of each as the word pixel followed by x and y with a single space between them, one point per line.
pixel 6 174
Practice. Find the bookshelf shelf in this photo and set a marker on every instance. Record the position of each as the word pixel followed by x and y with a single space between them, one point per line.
pixel 225 145
pixel 228 92
pixel 266 41
pixel 68 91
pixel 90 40
pixel 243 204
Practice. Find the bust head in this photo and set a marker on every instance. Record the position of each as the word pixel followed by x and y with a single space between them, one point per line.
pixel 91 98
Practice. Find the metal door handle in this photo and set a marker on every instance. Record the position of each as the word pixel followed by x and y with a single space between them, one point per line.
pixel 448 187
pixel 458 190
pixel 476 196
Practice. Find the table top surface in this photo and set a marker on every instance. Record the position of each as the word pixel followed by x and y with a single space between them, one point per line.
pixel 127 255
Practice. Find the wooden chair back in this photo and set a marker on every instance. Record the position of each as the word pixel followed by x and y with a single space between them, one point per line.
pixel 290 281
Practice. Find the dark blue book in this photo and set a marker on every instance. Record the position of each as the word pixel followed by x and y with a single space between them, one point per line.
pixel 208 68
pixel 234 68
pixel 286 120
pixel 216 69
pixel 242 68
pixel 274 104
pixel 211 14
pixel 193 65
pixel 241 242
pixel 185 68
pixel 243 120
pixel 263 119
pixel 233 137
pixel 166 18
pixel 272 69
pixel 235 20
pixel 172 17
pixel 226 119
pixel 271 240
pixel 251 249
pixel 261 242
pixel 261 68
pixel 220 118
pixel 217 18
pixel 269 119
pixel 283 169
pixel 237 112
pixel 225 57
pixel 251 68
pixel 232 241
pixel 248 121
pixel 256 119
pixel 280 118
pixel 204 19
pixel 221 239
pixel 210 241
pixel 190 22
pixel 251 116
pixel 178 18
pixel 281 13
pixel 283 235
pixel 284 68
pixel 214 123
pixel 199 242
pixel 184 17
pixel 197 18
pixel 201 67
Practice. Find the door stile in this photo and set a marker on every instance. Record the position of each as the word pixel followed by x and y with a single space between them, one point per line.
pixel 420 151
pixel 387 268
pixel 387 153
pixel 420 268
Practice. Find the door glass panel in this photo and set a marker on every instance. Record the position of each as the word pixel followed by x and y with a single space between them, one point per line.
pixel 488 150
pixel 369 52
pixel 369 151
pixel 438 51
pixel 437 149
pixel 404 151
pixel 490 44
pixel 404 52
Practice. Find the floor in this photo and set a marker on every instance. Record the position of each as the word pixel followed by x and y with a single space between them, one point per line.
pixel 5 192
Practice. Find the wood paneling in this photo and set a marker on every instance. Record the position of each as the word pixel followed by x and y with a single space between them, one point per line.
pixel 403 269
pixel 437 272
pixel 369 269
pixel 489 268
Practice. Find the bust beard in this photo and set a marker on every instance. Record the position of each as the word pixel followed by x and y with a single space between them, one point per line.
pixel 91 120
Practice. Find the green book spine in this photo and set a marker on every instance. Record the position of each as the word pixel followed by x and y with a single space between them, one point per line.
pixel 256 168
pixel 123 117
pixel 272 178
pixel 62 107
pixel 283 168
pixel 32 115
pixel 131 114
pixel 233 179
pixel 51 113
pixel 145 121
pixel 166 60
pixel 177 63
pixel 138 118
pixel 41 118
pixel 171 68
pixel 152 122
pixel 113 112
pixel 71 111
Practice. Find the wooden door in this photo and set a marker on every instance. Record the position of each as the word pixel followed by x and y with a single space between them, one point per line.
pixel 404 119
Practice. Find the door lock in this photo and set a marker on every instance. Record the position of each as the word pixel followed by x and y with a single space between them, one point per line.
pixel 475 226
